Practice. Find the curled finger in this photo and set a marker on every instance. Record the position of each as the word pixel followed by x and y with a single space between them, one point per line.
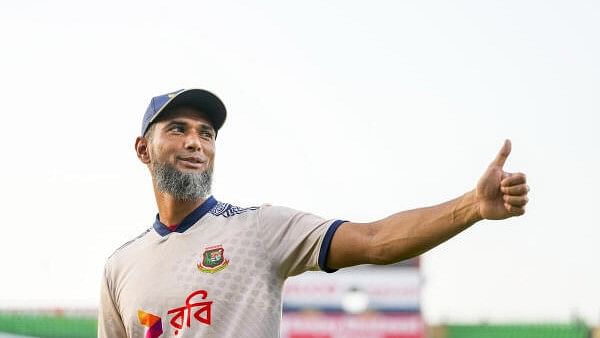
pixel 516 190
pixel 513 210
pixel 514 179
pixel 516 201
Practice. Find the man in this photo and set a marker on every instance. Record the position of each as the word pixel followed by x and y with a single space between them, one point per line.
pixel 210 269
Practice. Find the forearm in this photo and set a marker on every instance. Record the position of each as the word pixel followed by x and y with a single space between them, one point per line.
pixel 410 233
pixel 498 195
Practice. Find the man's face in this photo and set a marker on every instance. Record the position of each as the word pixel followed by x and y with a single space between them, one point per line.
pixel 183 138
pixel 179 150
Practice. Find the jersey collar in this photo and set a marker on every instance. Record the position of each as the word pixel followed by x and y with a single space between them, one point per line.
pixel 189 220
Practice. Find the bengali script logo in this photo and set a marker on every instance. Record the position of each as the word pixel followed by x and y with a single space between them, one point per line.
pixel 196 307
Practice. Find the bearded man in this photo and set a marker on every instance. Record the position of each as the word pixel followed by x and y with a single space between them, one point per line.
pixel 207 268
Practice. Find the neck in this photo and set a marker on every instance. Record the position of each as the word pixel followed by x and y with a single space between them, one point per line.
pixel 172 211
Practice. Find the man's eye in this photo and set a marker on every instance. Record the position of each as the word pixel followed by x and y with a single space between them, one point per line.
pixel 207 134
pixel 177 129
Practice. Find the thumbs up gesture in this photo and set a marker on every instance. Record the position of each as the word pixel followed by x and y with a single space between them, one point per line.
pixel 500 194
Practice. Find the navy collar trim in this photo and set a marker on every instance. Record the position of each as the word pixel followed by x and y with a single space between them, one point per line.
pixel 189 220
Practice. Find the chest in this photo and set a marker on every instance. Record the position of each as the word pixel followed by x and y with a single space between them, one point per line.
pixel 196 283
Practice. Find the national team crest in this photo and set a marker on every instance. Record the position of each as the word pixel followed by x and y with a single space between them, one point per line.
pixel 213 259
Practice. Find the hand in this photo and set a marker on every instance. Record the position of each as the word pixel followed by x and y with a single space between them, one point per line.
pixel 500 194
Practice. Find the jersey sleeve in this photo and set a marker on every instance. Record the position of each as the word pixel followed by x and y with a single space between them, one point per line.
pixel 295 241
pixel 110 324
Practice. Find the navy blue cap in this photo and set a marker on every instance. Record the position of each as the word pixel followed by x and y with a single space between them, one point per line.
pixel 203 100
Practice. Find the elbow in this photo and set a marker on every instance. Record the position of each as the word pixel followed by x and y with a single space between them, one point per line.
pixel 378 258
pixel 381 258
pixel 380 254
pixel 385 253
pixel 388 248
pixel 377 247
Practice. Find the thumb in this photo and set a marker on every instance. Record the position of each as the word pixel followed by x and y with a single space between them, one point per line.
pixel 502 155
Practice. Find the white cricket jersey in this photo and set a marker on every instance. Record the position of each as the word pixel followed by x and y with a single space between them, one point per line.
pixel 219 274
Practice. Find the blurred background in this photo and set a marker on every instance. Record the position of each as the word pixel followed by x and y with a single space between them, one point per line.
pixel 346 109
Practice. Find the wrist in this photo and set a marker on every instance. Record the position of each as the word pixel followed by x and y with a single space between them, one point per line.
pixel 467 211
pixel 475 206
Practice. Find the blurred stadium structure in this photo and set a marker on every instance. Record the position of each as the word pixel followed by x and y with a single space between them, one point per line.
pixel 359 302
pixel 364 301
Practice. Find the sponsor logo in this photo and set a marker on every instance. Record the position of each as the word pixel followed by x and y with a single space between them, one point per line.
pixel 199 310
pixel 196 307
pixel 213 259
pixel 152 323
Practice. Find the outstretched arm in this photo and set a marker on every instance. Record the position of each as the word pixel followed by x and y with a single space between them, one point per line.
pixel 498 195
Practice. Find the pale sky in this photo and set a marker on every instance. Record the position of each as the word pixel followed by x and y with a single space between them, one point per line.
pixel 347 109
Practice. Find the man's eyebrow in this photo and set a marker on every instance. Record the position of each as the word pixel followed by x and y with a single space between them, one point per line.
pixel 174 122
pixel 203 126
pixel 207 127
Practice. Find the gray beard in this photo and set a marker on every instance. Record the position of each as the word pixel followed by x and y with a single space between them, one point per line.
pixel 183 186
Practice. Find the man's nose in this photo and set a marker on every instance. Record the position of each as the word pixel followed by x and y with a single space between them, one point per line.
pixel 192 142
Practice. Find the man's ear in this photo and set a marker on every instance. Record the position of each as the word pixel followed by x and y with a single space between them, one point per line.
pixel 141 148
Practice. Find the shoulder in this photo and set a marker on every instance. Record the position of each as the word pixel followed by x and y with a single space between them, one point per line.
pixel 263 214
pixel 280 211
pixel 123 249
pixel 279 215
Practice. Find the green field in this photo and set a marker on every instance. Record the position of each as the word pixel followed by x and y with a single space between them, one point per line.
pixel 48 326
pixel 518 331
pixel 72 326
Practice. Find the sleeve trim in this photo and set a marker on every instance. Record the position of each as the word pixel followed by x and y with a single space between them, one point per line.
pixel 324 252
